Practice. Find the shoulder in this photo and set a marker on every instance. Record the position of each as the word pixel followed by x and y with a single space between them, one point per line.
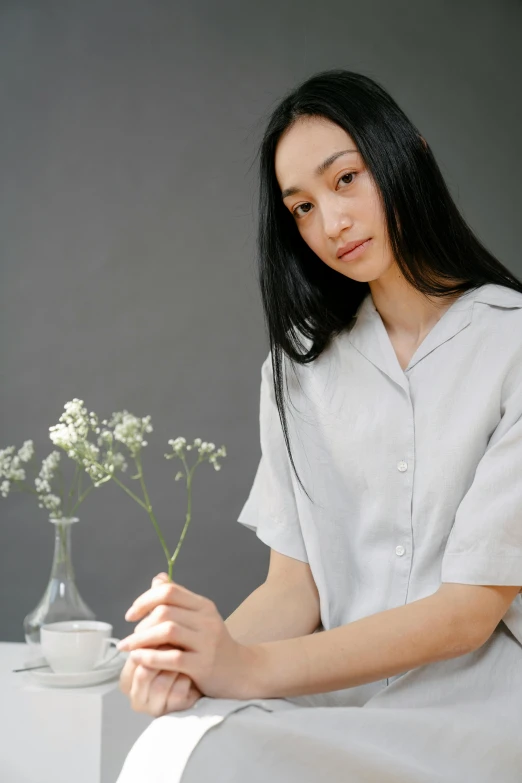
pixel 303 379
pixel 498 312
pixel 499 299
pixel 499 331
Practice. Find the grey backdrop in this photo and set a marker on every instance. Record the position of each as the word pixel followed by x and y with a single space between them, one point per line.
pixel 127 231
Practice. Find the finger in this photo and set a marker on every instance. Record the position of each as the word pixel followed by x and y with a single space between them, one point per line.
pixel 170 593
pixel 169 660
pixel 139 692
pixel 126 675
pixel 159 579
pixel 166 613
pixel 165 633
pixel 193 695
pixel 158 615
pixel 177 697
pixel 159 691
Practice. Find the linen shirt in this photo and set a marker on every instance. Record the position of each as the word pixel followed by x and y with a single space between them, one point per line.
pixel 416 478
pixel 415 474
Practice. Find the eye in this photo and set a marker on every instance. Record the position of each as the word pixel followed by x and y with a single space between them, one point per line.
pixel 307 203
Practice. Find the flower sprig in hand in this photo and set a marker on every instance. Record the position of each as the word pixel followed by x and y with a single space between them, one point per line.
pixel 128 429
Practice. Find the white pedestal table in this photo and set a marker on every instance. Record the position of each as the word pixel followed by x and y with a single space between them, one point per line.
pixel 58 735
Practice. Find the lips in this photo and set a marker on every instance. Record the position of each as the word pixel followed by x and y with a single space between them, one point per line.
pixel 351 246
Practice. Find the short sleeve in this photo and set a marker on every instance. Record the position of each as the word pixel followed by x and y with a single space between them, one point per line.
pixel 485 543
pixel 270 509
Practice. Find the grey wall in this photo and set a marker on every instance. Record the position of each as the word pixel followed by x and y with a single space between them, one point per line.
pixel 127 227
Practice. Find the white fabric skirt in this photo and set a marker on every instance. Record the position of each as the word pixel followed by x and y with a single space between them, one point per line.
pixel 458 720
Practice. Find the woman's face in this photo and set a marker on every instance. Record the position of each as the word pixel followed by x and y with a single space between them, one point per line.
pixel 337 206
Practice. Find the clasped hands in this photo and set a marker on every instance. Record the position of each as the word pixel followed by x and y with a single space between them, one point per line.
pixel 181 650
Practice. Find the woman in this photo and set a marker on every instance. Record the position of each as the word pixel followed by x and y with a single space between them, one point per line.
pixel 406 403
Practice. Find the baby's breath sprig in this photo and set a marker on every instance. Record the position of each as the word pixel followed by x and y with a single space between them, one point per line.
pixel 101 461
pixel 12 473
pixel 71 435
pixel 130 430
pixel 206 452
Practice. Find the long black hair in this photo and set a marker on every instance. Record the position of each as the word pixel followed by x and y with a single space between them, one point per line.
pixel 434 248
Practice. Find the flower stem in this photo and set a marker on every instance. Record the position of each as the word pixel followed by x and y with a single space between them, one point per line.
pixel 190 473
pixel 147 505
pixel 61 490
pixel 79 488
pixel 27 488
pixel 149 509
pixel 129 492
pixel 62 550
pixel 71 491
pixel 80 499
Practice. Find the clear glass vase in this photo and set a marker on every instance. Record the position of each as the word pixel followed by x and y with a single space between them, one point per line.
pixel 61 599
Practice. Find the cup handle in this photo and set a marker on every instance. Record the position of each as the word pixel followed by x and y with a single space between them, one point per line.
pixel 108 643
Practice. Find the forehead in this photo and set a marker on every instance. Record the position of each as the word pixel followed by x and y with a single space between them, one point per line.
pixel 305 145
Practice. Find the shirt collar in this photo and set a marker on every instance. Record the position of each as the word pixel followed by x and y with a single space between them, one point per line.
pixel 370 338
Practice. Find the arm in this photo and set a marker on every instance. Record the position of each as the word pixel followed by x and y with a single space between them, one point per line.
pixel 284 606
pixel 455 620
pixel 270 614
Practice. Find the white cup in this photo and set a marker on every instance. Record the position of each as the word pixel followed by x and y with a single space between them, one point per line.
pixel 76 646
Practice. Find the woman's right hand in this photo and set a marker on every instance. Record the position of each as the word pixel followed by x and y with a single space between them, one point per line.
pixel 157 692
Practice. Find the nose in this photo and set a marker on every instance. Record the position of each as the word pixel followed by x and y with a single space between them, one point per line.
pixel 336 219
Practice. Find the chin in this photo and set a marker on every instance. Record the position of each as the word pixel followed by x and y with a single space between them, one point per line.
pixel 363 272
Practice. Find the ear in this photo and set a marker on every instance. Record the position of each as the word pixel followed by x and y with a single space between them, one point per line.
pixel 424 142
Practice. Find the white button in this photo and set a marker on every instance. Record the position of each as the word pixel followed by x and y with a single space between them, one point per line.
pixel 402 466
pixel 399 550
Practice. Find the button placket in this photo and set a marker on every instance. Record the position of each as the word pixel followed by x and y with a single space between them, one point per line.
pixel 402 466
pixel 403 545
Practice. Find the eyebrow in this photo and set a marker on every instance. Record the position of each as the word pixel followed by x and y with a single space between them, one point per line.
pixel 318 172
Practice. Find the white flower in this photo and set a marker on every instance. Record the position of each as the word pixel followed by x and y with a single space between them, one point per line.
pixel 71 434
pixel 42 482
pixel 204 449
pixel 118 460
pixel 129 430
pixel 42 485
pixel 73 427
pixel 51 503
pixel 26 451
pixel 5 460
pixel 10 465
pixel 105 436
pixel 49 465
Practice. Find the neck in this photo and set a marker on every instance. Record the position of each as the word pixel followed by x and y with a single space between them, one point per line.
pixel 406 312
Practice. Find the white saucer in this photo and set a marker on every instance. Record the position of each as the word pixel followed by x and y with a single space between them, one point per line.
pixel 67 680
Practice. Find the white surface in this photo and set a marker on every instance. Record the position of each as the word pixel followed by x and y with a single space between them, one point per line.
pixel 58 735
pixel 51 679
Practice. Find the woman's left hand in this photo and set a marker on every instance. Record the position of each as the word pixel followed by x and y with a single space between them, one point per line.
pixel 219 666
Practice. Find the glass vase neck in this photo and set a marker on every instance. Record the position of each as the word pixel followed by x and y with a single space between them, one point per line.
pixel 63 520
pixel 62 567
pixel 61 599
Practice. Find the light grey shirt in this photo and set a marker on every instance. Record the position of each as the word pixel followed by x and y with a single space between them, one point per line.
pixel 416 474
pixel 417 480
